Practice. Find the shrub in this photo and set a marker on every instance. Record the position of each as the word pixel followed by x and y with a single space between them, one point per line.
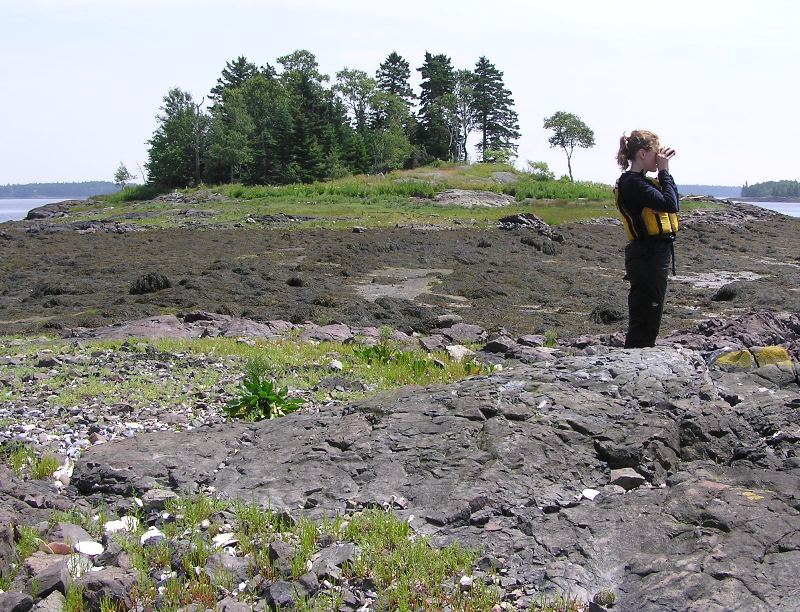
pixel 150 283
pixel 259 397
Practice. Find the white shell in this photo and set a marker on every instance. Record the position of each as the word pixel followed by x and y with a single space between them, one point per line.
pixel 90 548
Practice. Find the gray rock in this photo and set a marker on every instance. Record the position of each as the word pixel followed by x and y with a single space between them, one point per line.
pixel 238 568
pixel 68 533
pixel 627 478
pixel 156 499
pixel 509 453
pixel 229 604
pixel 328 562
pixel 52 603
pixel 463 332
pixel 113 584
pixel 50 572
pixel 15 602
pixel 280 595
pixel 280 555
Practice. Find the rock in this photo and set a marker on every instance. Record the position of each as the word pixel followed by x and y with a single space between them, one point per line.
pixel 47 361
pixel 55 602
pixel 335 365
pixel 110 584
pixel 606 315
pixel 50 572
pixel 328 562
pixel 156 499
pixel 463 332
pixel 328 333
pixel 473 199
pixel 238 568
pixel 149 283
pixel 126 523
pixel 741 359
pixel 68 533
pixel 280 555
pixel 436 342
pixel 222 540
pixel 459 353
pixel 515 447
pixel 15 602
pixel 499 344
pixel 447 320
pixel 151 537
pixel 359 230
pixel 771 355
pixel 590 494
pixel 532 340
pixel 280 595
pixel 627 478
pixel 229 604
pixel 89 548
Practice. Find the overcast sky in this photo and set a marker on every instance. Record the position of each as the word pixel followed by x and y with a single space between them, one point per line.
pixel 82 80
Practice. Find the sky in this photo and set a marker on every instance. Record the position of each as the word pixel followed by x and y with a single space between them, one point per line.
pixel 82 80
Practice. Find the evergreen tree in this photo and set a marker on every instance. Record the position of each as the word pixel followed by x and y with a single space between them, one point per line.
pixel 497 121
pixel 438 80
pixel 393 76
pixel 234 75
pixel 171 157
pixel 229 138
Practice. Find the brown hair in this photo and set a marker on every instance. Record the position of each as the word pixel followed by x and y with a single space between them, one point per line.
pixel 629 145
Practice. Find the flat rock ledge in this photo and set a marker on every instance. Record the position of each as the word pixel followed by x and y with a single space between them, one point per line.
pixel 630 470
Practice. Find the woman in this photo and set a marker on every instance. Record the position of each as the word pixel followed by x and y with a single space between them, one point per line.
pixel 649 210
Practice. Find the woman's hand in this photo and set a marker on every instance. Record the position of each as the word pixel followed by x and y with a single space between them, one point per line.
pixel 663 156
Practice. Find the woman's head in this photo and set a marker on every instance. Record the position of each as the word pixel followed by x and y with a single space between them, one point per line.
pixel 629 146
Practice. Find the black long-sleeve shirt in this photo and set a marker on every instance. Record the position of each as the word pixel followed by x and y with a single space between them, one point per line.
pixel 637 192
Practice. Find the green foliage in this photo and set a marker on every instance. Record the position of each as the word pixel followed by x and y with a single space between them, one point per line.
pixel 497 121
pixel 550 338
pixel 123 175
pixel 17 455
pixel 73 601
pixel 531 187
pixel 559 603
pixel 174 144
pixel 772 189
pixel 540 171
pixel 44 466
pixel 569 132
pixel 135 193
pixel 28 542
pixel 259 397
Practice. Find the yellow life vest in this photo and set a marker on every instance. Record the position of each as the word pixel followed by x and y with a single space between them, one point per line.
pixel 653 222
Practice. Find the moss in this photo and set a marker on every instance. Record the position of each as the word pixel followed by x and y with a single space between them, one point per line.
pixel 737 359
pixel 771 355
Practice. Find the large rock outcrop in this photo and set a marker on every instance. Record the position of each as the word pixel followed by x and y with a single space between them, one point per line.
pixel 638 471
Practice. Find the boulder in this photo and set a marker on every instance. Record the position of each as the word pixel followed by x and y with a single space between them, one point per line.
pixel 109 584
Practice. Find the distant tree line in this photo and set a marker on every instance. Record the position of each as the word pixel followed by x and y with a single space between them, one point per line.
pixel 58 190
pixel 772 189
pixel 268 125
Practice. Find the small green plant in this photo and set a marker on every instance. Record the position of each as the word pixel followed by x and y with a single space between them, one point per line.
pixel 44 466
pixel 73 598
pixel 259 397
pixel 28 542
pixel 605 597
pixel 550 338
pixel 378 353
pixel 559 603
pixel 17 455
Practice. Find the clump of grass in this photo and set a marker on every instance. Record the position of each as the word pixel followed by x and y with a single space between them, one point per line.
pixel 28 542
pixel 44 466
pixel 17 455
pixel 408 573
pixel 73 599
pixel 559 603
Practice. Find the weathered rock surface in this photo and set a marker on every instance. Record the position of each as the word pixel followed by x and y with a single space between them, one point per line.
pixel 501 462
pixel 473 199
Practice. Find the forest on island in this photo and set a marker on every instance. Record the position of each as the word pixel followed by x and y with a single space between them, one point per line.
pixel 291 123
pixel 58 190
pixel 772 189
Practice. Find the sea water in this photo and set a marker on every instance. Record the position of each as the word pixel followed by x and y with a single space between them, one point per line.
pixel 12 209
pixel 787 208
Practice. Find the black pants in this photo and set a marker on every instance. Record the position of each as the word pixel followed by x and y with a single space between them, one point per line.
pixel 646 267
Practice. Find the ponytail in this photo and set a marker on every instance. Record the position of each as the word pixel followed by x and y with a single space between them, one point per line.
pixel 629 145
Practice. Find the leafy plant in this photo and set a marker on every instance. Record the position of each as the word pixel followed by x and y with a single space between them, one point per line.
pixel 44 466
pixel 259 397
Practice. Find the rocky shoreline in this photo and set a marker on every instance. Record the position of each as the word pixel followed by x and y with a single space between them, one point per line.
pixel 651 479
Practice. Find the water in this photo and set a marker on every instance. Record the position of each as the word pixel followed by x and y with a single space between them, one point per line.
pixel 787 208
pixel 15 209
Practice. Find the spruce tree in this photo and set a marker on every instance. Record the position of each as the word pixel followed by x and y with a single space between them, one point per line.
pixel 497 121
pixel 233 75
pixel 438 80
pixel 393 76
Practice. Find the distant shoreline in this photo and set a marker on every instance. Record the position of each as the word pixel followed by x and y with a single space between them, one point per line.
pixel 787 199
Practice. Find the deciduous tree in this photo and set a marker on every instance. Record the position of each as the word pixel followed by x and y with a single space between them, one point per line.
pixel 569 132
pixel 438 79
pixel 122 176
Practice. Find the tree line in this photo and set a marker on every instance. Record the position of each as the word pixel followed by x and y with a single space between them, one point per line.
pixel 268 125
pixel 772 189
pixel 57 190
